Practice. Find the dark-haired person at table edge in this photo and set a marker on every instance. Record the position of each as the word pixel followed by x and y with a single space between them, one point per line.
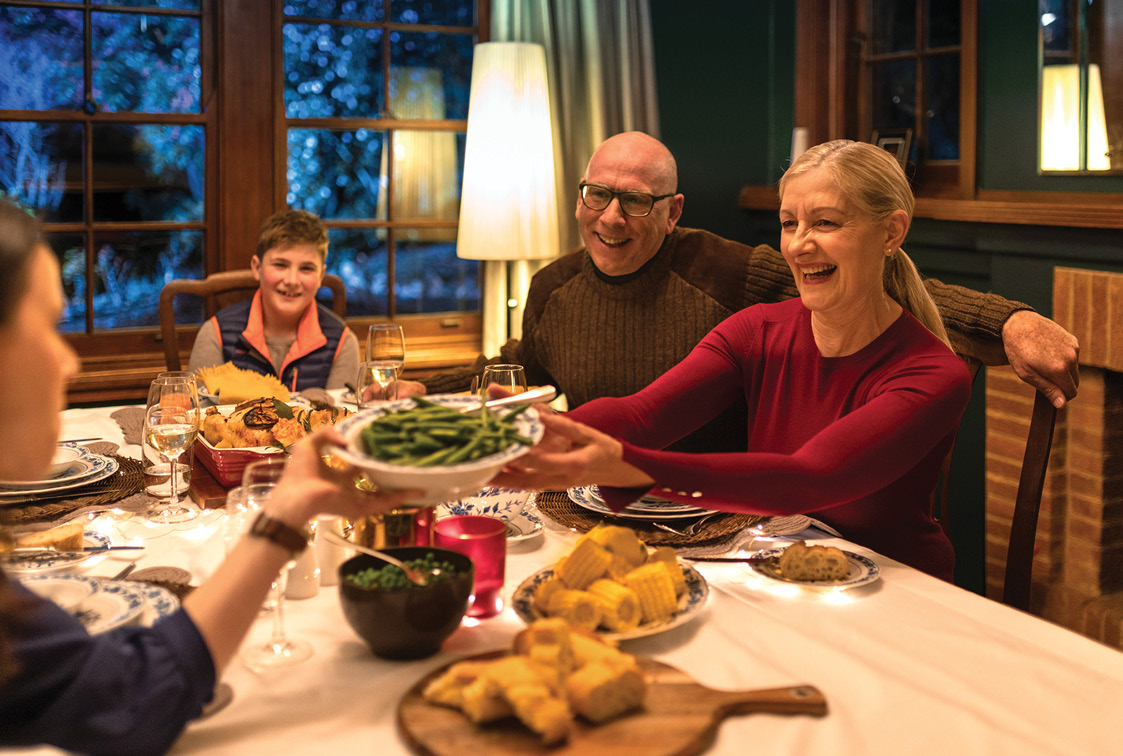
pixel 130 690
pixel 283 331
pixel 612 317
pixel 854 394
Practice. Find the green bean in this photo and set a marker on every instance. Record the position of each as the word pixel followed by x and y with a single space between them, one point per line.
pixel 431 434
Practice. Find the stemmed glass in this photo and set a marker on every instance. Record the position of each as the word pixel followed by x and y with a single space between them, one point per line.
pixel 167 430
pixel 258 482
pixel 378 375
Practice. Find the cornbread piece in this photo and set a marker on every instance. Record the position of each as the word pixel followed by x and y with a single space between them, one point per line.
pixel 802 562
pixel 587 562
pixel 620 610
pixel 65 537
pixel 541 711
pixel 578 608
pixel 546 643
pixel 448 689
pixel 605 689
pixel 655 587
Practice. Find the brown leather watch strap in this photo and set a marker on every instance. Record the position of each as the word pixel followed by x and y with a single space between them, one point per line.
pixel 283 535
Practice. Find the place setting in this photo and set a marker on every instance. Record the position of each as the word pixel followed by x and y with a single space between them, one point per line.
pixel 103 605
pixel 73 467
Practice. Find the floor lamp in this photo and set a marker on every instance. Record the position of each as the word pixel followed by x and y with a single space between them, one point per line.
pixel 508 203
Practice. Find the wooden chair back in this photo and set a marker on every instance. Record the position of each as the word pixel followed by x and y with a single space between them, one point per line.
pixel 943 502
pixel 1023 529
pixel 217 291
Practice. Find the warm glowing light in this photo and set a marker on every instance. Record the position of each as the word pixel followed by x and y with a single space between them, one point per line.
pixel 1060 119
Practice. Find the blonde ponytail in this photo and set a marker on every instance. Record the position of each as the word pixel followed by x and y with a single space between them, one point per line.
pixel 902 282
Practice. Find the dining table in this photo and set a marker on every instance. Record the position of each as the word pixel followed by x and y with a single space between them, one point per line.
pixel 907 663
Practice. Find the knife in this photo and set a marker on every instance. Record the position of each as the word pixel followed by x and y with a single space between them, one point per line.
pixel 744 559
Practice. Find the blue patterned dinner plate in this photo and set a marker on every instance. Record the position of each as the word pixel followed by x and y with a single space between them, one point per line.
pixel 513 506
pixel 646 508
pixel 42 561
pixel 115 604
pixel 692 601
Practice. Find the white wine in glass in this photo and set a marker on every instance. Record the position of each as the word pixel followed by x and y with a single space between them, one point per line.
pixel 170 391
pixel 171 430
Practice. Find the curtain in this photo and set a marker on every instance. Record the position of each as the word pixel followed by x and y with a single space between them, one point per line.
pixel 601 64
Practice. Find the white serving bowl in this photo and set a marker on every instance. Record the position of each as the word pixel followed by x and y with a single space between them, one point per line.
pixel 439 482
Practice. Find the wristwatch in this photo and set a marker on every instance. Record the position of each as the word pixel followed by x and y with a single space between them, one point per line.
pixel 285 536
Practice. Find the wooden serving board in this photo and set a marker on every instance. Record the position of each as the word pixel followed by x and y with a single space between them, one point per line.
pixel 680 718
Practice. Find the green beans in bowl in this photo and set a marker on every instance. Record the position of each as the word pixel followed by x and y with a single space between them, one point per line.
pixel 425 443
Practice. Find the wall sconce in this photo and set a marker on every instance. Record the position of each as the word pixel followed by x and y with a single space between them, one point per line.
pixel 508 206
pixel 1061 120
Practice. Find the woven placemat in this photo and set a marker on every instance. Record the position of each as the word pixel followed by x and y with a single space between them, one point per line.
pixel 128 480
pixel 561 509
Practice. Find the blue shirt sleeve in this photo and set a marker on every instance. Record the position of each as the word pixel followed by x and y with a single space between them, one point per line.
pixel 128 691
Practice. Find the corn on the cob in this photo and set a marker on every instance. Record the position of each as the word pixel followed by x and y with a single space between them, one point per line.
pixel 655 589
pixel 667 555
pixel 587 562
pixel 543 592
pixel 578 608
pixel 619 605
pixel 620 542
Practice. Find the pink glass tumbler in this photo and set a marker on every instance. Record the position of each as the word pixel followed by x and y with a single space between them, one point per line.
pixel 484 541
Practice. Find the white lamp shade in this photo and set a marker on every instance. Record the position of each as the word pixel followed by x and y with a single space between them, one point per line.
pixel 1060 119
pixel 508 205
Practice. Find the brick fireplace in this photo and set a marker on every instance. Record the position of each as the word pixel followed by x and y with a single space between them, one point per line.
pixel 1078 560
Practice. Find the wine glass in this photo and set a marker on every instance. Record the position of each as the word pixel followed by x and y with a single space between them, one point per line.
pixel 171 430
pixel 378 375
pixel 172 390
pixel 511 377
pixel 258 481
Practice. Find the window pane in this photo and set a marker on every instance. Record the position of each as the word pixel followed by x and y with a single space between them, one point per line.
pixel 1056 30
pixel 148 173
pixel 164 48
pixel 430 277
pixel 169 4
pixel 943 107
pixel 40 59
pixel 41 166
pixel 332 71
pixel 894 95
pixel 344 10
pixel 359 257
pixel 892 26
pixel 435 72
pixel 428 168
pixel 439 12
pixel 71 252
pixel 337 174
pixel 130 268
pixel 943 23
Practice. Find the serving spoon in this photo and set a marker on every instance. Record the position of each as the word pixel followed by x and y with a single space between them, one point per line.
pixel 414 575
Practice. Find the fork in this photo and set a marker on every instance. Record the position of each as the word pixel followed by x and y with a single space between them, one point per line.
pixel 690 529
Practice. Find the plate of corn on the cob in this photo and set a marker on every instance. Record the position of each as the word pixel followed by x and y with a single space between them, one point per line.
pixel 611 583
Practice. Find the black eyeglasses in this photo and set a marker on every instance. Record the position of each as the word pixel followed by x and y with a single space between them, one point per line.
pixel 635 204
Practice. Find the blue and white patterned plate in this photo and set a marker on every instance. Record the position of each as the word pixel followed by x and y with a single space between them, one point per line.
pixel 862 571
pixel 159 602
pixel 511 505
pixel 646 508
pixel 68 591
pixel 689 604
pixel 41 561
pixel 99 468
pixel 116 603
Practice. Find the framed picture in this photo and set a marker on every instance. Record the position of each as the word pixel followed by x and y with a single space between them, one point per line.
pixel 896 142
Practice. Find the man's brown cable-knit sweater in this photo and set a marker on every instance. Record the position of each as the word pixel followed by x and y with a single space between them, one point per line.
pixel 594 336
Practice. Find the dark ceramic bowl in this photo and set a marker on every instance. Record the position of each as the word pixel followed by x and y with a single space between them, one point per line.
pixel 410 623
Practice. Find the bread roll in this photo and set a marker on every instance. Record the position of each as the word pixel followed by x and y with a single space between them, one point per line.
pixel 66 537
pixel 802 562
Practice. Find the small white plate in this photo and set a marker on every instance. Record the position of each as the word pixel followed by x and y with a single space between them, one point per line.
pixel 646 508
pixel 68 591
pixel 862 571
pixel 689 604
pixel 41 561
pixel 116 603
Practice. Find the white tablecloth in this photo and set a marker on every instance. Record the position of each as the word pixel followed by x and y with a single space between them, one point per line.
pixel 908 664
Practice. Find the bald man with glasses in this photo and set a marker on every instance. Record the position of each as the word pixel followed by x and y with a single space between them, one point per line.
pixel 610 318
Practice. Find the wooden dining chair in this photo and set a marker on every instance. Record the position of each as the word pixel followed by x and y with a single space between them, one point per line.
pixel 217 291
pixel 943 500
pixel 1023 529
